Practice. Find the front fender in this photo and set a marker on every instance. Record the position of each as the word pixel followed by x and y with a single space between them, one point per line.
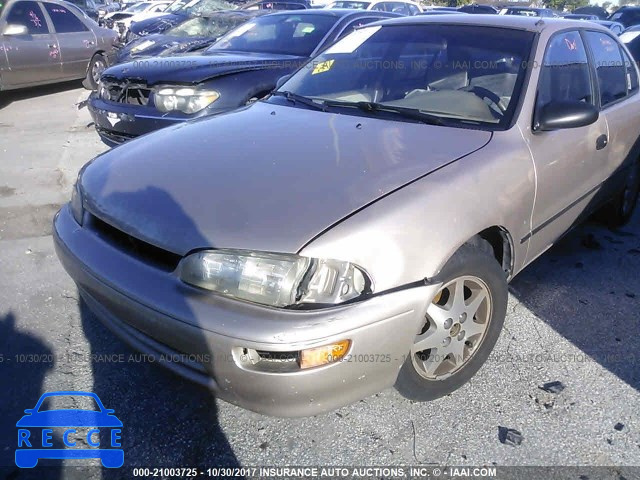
pixel 410 234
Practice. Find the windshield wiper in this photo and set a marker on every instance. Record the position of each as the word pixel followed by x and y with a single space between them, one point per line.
pixel 404 112
pixel 295 98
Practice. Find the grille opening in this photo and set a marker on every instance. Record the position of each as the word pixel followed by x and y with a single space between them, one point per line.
pixel 115 137
pixel 278 356
pixel 122 92
pixel 138 249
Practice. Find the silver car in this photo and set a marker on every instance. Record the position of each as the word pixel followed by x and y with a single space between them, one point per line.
pixel 357 229
pixel 51 41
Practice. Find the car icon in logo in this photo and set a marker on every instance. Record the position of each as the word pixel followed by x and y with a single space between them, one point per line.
pixel 74 427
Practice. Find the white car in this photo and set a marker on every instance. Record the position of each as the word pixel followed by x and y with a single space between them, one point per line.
pixel 403 7
pixel 121 21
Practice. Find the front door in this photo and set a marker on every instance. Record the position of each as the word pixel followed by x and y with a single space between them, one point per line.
pixel 568 162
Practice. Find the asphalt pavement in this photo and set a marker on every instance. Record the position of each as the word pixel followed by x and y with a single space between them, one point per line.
pixel 572 318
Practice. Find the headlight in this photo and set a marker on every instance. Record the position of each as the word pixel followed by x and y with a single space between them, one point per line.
pixel 274 279
pixel 184 99
pixel 77 209
pixel 103 92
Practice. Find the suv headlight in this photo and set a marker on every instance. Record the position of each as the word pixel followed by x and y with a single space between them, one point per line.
pixel 184 99
pixel 275 279
pixel 77 209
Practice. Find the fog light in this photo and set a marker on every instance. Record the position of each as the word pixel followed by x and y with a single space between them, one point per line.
pixel 315 357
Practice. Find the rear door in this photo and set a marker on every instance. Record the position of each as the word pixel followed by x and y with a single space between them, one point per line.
pixel 618 89
pixel 75 40
pixel 32 58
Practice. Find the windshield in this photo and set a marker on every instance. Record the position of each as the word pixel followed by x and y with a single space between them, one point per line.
pixel 138 7
pixel 349 4
pixel 202 7
pixel 175 6
pixel 213 27
pixel 292 34
pixel 458 73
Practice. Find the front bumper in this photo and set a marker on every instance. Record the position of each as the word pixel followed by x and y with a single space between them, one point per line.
pixel 202 335
pixel 118 122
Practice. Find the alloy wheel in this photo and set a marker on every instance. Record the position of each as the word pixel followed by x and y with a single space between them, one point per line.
pixel 456 323
pixel 96 69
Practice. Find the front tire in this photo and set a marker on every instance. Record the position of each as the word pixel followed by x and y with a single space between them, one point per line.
pixel 97 65
pixel 462 325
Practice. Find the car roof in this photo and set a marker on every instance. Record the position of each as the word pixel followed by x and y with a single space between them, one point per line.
pixel 534 24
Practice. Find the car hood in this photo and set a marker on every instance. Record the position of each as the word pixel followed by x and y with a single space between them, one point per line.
pixel 157 24
pixel 162 45
pixel 197 67
pixel 265 177
pixel 118 15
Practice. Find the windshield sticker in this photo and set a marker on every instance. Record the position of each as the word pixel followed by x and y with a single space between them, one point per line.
pixel 626 37
pixel 322 67
pixel 607 44
pixel 571 44
pixel 34 19
pixel 352 41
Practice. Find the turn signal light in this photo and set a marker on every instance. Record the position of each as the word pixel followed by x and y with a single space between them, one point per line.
pixel 318 356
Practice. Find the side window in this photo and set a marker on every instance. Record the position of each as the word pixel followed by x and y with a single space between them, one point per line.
pixel 413 10
pixel 565 71
pixel 612 76
pixel 381 7
pixel 64 20
pixel 399 7
pixel 30 15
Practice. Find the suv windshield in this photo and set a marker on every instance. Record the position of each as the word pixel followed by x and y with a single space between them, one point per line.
pixel 459 74
pixel 287 34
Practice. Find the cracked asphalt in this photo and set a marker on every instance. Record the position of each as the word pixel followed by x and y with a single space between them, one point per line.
pixel 573 318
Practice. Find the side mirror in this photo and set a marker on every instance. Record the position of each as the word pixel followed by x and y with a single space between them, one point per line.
pixel 281 81
pixel 565 114
pixel 14 29
pixel 29 411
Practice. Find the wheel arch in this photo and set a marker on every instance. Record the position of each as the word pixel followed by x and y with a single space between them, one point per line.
pixel 499 239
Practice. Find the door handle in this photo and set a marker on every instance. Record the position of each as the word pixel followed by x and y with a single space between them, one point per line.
pixel 601 142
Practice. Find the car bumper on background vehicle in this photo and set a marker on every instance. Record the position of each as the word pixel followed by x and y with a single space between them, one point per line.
pixel 244 352
pixel 118 122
